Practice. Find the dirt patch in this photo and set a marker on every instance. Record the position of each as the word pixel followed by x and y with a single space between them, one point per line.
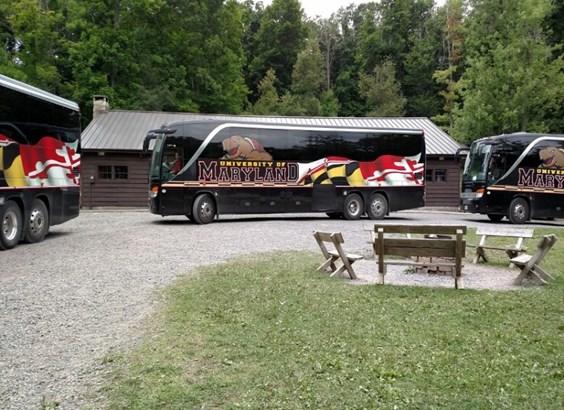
pixel 473 277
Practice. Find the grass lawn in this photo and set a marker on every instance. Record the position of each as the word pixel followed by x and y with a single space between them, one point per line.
pixel 272 333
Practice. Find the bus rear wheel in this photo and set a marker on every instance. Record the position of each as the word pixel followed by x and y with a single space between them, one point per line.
pixel 353 207
pixel 11 225
pixel 203 210
pixel 38 223
pixel 495 217
pixel 377 207
pixel 519 211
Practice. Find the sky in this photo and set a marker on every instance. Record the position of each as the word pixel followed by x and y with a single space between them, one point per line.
pixel 324 8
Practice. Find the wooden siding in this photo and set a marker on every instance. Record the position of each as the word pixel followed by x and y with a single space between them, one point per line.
pixel 439 193
pixel 130 192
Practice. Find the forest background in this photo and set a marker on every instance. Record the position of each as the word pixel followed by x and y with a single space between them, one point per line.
pixel 475 67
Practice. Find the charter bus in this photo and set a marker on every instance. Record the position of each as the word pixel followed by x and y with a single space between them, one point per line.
pixel 205 168
pixel 519 176
pixel 39 163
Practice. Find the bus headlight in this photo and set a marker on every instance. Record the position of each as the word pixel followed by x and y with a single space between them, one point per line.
pixel 154 191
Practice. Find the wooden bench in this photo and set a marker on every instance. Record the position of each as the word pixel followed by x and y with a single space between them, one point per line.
pixel 529 264
pixel 334 256
pixel 438 242
pixel 501 232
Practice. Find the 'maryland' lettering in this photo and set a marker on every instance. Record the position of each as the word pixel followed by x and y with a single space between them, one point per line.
pixel 247 171
pixel 540 179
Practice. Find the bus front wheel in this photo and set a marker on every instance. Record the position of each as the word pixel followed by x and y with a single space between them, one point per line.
pixel 11 225
pixel 377 207
pixel 519 211
pixel 203 210
pixel 353 207
pixel 38 223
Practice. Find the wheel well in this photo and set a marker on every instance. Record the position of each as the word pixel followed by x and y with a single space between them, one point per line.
pixel 45 201
pixel 19 203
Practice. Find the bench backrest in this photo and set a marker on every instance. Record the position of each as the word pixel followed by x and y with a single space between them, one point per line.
pixel 446 247
pixel 502 231
pixel 545 244
pixel 422 229
pixel 333 237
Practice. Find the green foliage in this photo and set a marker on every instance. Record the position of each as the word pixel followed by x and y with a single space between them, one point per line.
pixel 513 82
pixel 270 332
pixel 382 92
pixel 477 67
pixel 268 100
pixel 278 41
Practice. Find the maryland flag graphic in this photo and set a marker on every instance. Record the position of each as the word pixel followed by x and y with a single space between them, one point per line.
pixel 49 162
pixel 386 170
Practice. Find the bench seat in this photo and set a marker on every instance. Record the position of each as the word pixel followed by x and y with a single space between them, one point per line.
pixel 350 256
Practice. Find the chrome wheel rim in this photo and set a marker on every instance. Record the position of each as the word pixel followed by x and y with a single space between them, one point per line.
pixel 519 211
pixel 354 207
pixel 206 210
pixel 377 207
pixel 10 225
pixel 36 221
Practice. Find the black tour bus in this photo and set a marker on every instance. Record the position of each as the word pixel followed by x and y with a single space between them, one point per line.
pixel 519 175
pixel 205 168
pixel 39 163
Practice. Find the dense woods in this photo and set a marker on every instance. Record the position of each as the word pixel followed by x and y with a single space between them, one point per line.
pixel 476 67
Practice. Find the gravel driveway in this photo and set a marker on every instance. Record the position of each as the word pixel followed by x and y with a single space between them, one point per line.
pixel 67 302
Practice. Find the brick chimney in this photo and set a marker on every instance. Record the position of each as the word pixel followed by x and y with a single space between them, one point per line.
pixel 100 105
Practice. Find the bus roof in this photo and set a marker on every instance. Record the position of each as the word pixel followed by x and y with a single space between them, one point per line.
pixel 36 92
pixel 282 125
pixel 517 136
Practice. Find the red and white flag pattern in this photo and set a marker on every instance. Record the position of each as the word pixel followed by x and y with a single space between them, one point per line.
pixel 50 162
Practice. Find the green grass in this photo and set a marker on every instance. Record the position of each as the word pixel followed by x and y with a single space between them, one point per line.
pixel 272 333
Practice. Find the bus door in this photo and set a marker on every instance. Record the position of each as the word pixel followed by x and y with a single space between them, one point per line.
pixel 173 194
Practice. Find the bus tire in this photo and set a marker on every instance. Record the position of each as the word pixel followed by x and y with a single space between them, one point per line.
pixel 353 207
pixel 495 217
pixel 38 224
pixel 519 211
pixel 377 207
pixel 203 209
pixel 10 225
pixel 335 215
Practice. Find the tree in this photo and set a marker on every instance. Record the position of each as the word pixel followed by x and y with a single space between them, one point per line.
pixel 382 92
pixel 453 41
pixel 328 34
pixel 513 82
pixel 268 101
pixel 279 39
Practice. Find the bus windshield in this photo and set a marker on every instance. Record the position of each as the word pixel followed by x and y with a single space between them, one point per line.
pixel 155 171
pixel 477 161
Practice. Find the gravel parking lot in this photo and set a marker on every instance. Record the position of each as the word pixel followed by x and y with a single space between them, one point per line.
pixel 67 302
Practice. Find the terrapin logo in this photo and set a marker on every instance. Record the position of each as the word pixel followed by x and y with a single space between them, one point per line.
pixel 552 157
pixel 548 175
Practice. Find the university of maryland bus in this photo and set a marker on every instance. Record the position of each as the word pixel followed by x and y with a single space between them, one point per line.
pixel 519 176
pixel 39 164
pixel 206 168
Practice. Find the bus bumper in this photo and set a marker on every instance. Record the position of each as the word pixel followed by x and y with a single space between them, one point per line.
pixel 472 205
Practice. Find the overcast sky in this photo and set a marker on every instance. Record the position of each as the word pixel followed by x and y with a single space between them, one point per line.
pixel 325 8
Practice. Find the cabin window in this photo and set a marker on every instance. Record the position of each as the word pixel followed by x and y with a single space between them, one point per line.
pixel 113 172
pixel 436 175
